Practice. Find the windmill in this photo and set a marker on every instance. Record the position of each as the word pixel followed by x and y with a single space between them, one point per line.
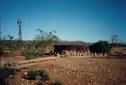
pixel 19 22
pixel 0 30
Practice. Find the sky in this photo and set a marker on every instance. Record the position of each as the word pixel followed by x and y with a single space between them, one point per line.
pixel 82 20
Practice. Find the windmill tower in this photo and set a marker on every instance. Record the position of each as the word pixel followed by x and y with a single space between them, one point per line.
pixel 0 30
pixel 19 22
pixel 0 33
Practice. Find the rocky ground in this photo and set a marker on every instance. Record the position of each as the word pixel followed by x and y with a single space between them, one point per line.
pixel 110 70
pixel 79 71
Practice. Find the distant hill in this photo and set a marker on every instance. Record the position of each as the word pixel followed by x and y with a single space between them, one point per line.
pixel 72 43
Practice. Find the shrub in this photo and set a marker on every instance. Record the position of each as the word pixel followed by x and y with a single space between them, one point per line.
pixel 32 74
pixel 105 47
pixel 57 82
pixel 44 75
pixel 100 47
pixel 30 55
pixel 1 52
pixel 5 71
pixel 40 83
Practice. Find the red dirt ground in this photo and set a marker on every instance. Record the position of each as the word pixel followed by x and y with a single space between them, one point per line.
pixel 79 71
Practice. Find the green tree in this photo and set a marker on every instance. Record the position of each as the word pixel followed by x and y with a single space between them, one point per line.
pixel 100 47
pixel 104 45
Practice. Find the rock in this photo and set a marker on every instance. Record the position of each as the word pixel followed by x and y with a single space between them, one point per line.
pixel 77 76
pixel 74 70
pixel 25 73
pixel 22 80
pixel 67 72
pixel 10 76
pixel 38 77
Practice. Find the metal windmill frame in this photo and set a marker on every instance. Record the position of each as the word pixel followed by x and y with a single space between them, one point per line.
pixel 19 22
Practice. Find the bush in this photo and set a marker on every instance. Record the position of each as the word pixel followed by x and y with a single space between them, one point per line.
pixel 105 47
pixel 1 52
pixel 5 71
pixel 57 82
pixel 100 47
pixel 32 74
pixel 30 55
pixel 44 75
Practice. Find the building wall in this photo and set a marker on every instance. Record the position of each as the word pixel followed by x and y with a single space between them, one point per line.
pixel 72 50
